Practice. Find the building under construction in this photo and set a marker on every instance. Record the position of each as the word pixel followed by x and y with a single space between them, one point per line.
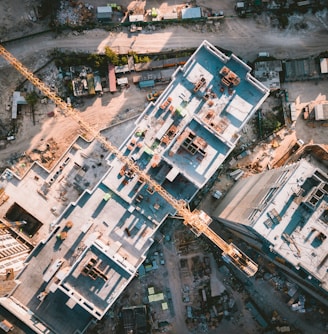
pixel 286 210
pixel 179 141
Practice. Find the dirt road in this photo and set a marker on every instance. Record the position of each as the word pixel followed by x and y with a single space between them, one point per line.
pixel 244 37
pixel 263 294
pixel 179 325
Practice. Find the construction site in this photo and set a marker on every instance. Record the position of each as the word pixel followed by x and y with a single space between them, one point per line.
pixel 108 245
pixel 95 213
pixel 76 188
pixel 78 173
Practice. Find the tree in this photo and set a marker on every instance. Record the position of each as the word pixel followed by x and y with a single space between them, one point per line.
pixel 270 125
pixel 32 98
pixel 112 56
pixel 144 59
pixel 124 60
pixel 96 61
pixel 283 21
pixel 136 58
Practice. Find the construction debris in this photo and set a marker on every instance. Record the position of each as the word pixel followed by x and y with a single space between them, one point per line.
pixel 75 13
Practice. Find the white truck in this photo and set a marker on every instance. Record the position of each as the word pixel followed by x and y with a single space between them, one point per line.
pixel 217 194
pixel 263 54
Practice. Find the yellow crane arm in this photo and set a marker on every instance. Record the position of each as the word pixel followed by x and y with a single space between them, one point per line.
pixel 197 220
pixel 73 113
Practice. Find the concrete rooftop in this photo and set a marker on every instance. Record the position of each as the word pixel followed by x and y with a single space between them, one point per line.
pixel 287 207
pixel 180 141
pixel 301 234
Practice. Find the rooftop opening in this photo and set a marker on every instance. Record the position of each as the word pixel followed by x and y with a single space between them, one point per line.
pixel 324 216
pixel 325 188
pixel 17 214
pixel 313 201
pixel 318 240
pixel 321 176
pixel 309 184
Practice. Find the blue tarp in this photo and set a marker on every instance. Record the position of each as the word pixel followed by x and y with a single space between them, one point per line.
pixel 146 83
pixel 141 271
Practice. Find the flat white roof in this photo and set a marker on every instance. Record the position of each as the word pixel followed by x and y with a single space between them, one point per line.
pixel 239 108
pixel 17 99
pixel 136 18
pixel 297 236
pixel 324 65
pixel 104 9
pixel 321 111
pixel 122 81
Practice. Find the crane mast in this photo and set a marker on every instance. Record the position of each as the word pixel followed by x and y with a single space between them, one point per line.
pixel 197 220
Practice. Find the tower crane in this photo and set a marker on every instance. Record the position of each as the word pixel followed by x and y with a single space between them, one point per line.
pixel 197 220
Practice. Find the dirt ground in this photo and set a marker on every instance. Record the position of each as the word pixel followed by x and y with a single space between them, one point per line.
pixel 18 17
pixel 99 112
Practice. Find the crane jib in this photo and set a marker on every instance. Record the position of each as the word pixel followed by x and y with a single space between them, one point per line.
pixel 198 221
